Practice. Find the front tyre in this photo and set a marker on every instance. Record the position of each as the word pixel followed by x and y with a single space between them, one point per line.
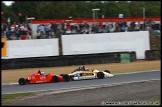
pixel 62 74
pixel 54 79
pixel 66 77
pixel 22 81
pixel 100 75
pixel 107 71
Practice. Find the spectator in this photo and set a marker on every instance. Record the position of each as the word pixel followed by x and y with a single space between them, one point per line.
pixel 47 31
pixel 41 31
pixel 52 30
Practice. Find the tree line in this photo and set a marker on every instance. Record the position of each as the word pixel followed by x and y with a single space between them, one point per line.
pixel 20 10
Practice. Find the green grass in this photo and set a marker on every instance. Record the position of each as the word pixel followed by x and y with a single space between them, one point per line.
pixel 6 97
pixel 157 101
pixel 12 96
pixel 154 102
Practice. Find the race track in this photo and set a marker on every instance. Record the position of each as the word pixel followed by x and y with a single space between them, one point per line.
pixel 117 79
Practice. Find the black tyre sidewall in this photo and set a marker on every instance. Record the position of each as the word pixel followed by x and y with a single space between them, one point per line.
pixel 66 78
pixel 22 81
pixel 107 71
pixel 100 75
pixel 54 79
pixel 62 74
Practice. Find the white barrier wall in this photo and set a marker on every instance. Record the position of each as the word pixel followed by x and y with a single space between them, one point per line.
pixel 34 29
pixel 32 48
pixel 106 42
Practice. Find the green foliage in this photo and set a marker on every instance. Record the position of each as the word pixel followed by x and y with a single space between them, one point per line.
pixel 78 9
pixel 6 97
pixel 12 96
pixel 8 13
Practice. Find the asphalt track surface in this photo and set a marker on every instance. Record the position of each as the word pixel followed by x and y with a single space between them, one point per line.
pixel 116 79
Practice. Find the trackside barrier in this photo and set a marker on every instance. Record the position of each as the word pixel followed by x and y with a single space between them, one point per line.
pixel 125 58
pixel 78 44
pixel 3 47
pixel 152 55
pixel 65 60
pixel 31 48
pixel 106 42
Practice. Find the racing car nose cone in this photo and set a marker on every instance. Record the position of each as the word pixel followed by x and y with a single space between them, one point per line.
pixel 111 75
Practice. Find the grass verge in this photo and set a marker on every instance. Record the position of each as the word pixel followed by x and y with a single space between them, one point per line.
pixel 6 97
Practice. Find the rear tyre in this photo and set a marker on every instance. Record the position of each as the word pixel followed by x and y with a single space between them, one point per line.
pixel 22 81
pixel 107 71
pixel 66 77
pixel 54 79
pixel 100 75
pixel 62 74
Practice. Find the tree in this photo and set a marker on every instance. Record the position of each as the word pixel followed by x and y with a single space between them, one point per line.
pixel 78 9
pixel 136 8
pixel 24 7
pixel 8 13
pixel 55 10
pixel 153 8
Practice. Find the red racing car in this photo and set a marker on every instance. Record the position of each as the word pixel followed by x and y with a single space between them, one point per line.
pixel 40 77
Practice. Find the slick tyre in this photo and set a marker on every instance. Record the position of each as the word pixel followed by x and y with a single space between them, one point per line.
pixel 62 74
pixel 107 71
pixel 22 81
pixel 100 75
pixel 66 78
pixel 54 79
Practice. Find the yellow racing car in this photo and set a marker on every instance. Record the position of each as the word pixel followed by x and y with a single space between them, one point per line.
pixel 82 73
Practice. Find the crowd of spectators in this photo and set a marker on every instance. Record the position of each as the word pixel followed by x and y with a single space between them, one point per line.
pixel 56 30
pixel 16 31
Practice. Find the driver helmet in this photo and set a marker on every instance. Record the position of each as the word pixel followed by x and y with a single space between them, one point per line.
pixel 39 71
